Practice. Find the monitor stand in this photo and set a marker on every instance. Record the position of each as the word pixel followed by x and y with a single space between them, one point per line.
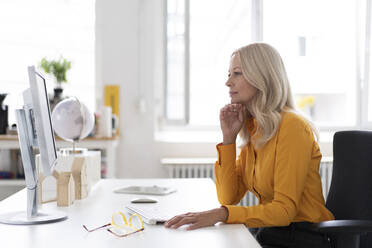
pixel 26 143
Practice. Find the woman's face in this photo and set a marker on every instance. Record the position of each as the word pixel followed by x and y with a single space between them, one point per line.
pixel 239 89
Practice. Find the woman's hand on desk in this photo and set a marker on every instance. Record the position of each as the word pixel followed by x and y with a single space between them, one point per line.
pixel 199 219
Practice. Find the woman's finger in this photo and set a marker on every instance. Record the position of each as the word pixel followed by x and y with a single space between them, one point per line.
pixel 231 107
pixel 226 114
pixel 235 107
pixel 184 221
pixel 177 218
pixel 173 220
pixel 197 225
pixel 224 108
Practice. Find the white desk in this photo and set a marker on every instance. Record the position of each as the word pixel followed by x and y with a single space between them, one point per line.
pixel 191 195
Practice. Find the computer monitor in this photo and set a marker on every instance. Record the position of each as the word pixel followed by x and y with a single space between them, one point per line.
pixel 43 123
pixel 35 130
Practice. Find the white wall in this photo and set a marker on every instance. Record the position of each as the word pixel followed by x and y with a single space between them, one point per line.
pixel 129 43
pixel 118 62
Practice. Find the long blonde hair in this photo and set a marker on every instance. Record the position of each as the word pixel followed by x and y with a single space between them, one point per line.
pixel 264 69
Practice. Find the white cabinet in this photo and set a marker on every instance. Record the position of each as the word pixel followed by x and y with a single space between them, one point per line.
pixel 107 145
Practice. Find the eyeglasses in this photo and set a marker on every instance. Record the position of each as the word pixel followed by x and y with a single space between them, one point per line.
pixel 119 225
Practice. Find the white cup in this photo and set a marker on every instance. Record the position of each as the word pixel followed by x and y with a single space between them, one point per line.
pixel 105 122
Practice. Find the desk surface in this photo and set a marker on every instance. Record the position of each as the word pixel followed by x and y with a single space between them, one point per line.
pixel 191 195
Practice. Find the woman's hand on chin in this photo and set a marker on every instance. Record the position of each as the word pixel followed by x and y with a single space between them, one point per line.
pixel 232 118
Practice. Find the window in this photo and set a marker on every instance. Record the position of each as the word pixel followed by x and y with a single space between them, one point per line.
pixel 198 61
pixel 176 60
pixel 320 53
pixel 31 30
pixel 323 44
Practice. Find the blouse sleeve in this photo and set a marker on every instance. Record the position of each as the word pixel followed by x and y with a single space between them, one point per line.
pixel 293 155
pixel 229 182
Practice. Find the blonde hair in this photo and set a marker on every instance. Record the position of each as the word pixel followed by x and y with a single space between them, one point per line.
pixel 264 69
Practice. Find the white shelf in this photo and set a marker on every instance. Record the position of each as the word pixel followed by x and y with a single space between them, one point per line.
pixel 107 144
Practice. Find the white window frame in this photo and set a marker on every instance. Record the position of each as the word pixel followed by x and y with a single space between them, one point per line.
pixel 185 120
pixel 362 66
pixel 363 84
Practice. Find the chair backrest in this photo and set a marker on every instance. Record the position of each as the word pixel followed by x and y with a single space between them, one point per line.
pixel 350 193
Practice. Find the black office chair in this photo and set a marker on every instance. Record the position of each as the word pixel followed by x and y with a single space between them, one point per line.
pixel 350 194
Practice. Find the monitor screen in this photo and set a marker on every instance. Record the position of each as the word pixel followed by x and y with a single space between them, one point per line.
pixel 43 123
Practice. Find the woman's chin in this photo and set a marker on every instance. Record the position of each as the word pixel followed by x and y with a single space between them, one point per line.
pixel 236 101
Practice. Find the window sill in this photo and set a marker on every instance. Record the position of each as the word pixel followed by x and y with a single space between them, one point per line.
pixel 193 136
pixel 203 142
pixel 188 136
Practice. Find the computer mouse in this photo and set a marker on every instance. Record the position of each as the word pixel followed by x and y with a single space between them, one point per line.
pixel 144 200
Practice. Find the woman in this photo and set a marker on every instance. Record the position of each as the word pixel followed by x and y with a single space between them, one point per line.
pixel 279 160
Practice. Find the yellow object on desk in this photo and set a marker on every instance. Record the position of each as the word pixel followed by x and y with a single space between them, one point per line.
pixel 120 226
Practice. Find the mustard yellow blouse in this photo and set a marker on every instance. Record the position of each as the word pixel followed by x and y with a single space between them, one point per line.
pixel 283 174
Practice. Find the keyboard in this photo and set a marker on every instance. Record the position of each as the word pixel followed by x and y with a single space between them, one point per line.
pixel 150 214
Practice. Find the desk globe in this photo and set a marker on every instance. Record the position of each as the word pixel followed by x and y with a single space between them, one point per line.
pixel 72 120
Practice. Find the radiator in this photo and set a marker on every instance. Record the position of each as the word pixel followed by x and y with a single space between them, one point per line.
pixel 203 168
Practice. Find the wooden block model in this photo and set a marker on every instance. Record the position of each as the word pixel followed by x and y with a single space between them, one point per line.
pixel 84 170
pixel 80 176
pixel 65 189
pixel 45 194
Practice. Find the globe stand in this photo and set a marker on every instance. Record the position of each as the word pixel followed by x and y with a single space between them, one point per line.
pixel 73 150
